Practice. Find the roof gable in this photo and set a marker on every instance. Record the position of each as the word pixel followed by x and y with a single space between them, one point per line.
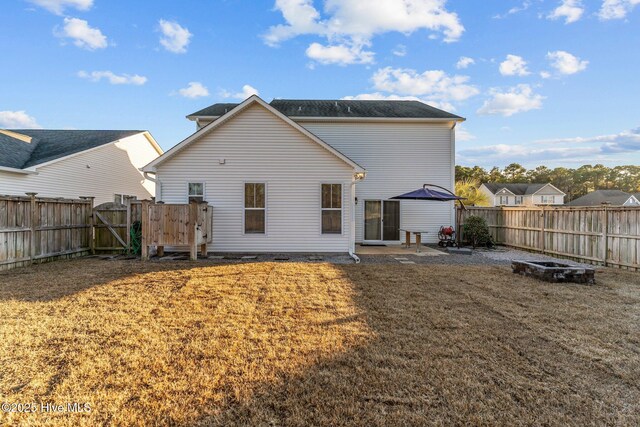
pixel 353 109
pixel 252 100
pixel 48 145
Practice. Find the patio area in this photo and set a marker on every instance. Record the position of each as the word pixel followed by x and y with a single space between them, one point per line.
pixel 398 249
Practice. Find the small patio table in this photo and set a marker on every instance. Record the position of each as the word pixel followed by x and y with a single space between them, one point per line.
pixel 407 237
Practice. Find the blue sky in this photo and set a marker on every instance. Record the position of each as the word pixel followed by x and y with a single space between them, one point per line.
pixel 551 82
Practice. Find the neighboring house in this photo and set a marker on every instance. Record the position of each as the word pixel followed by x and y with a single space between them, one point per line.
pixel 500 194
pixel 311 175
pixel 104 164
pixel 609 197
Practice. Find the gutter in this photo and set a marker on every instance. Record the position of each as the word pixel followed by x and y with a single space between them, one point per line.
pixel 155 181
pixel 18 171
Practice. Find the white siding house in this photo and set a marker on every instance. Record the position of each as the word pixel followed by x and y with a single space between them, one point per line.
pixel 294 156
pixel 508 194
pixel 103 171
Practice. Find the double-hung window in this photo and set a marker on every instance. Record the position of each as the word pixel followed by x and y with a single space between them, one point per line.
pixel 518 200
pixel 331 208
pixel 254 208
pixel 547 199
pixel 504 200
pixel 196 192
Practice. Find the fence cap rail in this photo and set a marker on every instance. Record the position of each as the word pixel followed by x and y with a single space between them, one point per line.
pixel 42 199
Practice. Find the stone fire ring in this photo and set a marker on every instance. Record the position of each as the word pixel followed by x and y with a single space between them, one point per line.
pixel 550 271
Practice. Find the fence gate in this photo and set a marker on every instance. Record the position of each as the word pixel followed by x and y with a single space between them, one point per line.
pixel 111 223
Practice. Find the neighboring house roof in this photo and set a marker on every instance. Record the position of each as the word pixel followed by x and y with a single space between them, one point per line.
pixel 598 197
pixel 24 148
pixel 517 189
pixel 254 99
pixel 342 109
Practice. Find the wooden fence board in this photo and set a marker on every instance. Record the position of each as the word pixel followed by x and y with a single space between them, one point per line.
pixel 600 235
pixel 36 229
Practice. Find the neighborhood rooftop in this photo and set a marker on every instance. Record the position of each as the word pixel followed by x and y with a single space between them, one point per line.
pixel 23 148
pixel 517 189
pixel 341 108
pixel 596 198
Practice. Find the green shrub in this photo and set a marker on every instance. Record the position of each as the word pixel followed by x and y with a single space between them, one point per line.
pixel 476 231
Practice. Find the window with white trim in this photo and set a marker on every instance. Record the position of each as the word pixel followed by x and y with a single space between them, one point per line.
pixel 547 199
pixel 503 200
pixel 254 208
pixel 122 198
pixel 331 208
pixel 518 200
pixel 196 192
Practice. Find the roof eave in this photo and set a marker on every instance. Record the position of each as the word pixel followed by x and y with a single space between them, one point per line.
pixel 30 171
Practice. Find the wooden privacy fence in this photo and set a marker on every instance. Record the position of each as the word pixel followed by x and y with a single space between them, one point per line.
pixel 175 225
pixel 35 229
pixel 603 235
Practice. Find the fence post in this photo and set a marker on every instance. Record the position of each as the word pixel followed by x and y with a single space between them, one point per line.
pixel 32 240
pixel 193 224
pixel 128 204
pixel 92 224
pixel 544 216
pixel 605 235
pixel 144 218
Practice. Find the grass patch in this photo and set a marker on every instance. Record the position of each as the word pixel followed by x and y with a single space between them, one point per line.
pixel 309 344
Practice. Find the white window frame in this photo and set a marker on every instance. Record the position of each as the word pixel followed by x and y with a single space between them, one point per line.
pixel 500 200
pixel 545 199
pixel 266 204
pixel 123 197
pixel 189 195
pixel 518 200
pixel 341 209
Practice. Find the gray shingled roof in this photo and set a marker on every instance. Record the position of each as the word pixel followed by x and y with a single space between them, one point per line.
pixel 342 108
pixel 47 145
pixel 598 197
pixel 517 189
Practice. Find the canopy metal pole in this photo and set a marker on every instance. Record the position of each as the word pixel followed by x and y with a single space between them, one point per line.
pixel 424 186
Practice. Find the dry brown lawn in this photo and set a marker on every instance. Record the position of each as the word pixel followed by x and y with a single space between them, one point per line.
pixel 317 344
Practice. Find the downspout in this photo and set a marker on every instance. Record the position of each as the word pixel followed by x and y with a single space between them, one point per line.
pixel 157 182
pixel 352 223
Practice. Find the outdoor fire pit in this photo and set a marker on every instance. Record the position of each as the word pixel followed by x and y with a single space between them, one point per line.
pixel 550 271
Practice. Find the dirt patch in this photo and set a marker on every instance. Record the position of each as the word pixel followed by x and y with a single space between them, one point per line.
pixel 283 343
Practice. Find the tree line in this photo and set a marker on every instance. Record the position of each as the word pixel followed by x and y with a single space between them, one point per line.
pixel 574 182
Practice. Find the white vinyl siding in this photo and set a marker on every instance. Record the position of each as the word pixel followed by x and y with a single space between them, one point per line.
pixel 100 172
pixel 260 147
pixel 399 157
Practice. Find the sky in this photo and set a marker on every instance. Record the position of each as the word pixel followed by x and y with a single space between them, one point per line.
pixel 540 82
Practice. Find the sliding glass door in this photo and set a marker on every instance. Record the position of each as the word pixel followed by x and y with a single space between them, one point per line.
pixel 381 220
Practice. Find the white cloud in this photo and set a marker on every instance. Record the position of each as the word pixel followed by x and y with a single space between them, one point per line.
pixel 247 91
pixel 340 54
pixel 579 149
pixel 353 23
pixel 114 79
pixel 82 34
pixel 616 9
pixel 517 99
pixel 194 90
pixel 545 74
pixel 400 50
pixel 175 38
pixel 434 87
pixel 58 6
pixel 464 62
pixel 17 120
pixel 514 65
pixel 570 10
pixel 566 63
pixel 514 10
pixel 462 134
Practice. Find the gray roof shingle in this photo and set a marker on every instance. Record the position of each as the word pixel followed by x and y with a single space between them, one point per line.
pixel 342 108
pixel 517 189
pixel 47 145
pixel 598 197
